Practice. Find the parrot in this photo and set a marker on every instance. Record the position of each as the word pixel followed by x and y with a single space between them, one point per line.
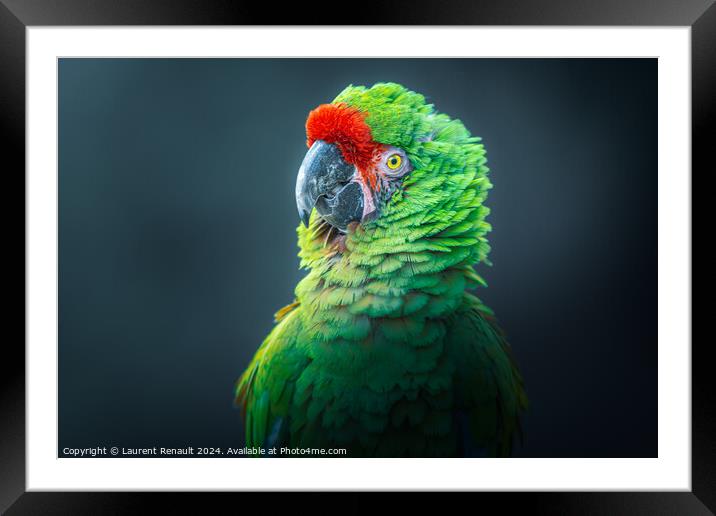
pixel 386 351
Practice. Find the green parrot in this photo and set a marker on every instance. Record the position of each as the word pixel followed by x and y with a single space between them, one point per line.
pixel 384 351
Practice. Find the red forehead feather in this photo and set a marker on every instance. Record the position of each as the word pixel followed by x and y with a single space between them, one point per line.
pixel 345 126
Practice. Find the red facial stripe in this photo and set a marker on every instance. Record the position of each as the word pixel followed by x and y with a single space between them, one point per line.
pixel 345 126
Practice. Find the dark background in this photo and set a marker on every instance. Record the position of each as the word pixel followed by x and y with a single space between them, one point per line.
pixel 177 236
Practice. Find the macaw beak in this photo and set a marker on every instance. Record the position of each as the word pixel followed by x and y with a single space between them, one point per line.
pixel 326 181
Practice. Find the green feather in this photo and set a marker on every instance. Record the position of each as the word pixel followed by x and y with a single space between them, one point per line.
pixel 384 352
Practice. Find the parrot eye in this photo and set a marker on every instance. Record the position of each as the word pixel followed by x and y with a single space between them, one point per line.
pixel 394 162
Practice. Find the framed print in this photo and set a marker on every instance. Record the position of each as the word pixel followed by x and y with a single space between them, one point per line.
pixel 445 254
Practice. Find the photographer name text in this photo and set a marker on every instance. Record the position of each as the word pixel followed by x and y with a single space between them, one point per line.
pixel 191 451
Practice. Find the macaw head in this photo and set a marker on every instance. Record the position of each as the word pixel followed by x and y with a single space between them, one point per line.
pixel 383 168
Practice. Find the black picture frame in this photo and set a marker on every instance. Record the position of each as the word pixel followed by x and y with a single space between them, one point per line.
pixel 16 15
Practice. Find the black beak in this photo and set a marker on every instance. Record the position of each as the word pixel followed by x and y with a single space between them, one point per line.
pixel 324 181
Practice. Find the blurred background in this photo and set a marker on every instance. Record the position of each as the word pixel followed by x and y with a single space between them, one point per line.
pixel 177 236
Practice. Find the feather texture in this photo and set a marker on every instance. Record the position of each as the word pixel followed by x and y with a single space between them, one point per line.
pixel 384 352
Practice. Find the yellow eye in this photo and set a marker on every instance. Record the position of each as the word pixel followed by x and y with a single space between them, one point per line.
pixel 394 162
